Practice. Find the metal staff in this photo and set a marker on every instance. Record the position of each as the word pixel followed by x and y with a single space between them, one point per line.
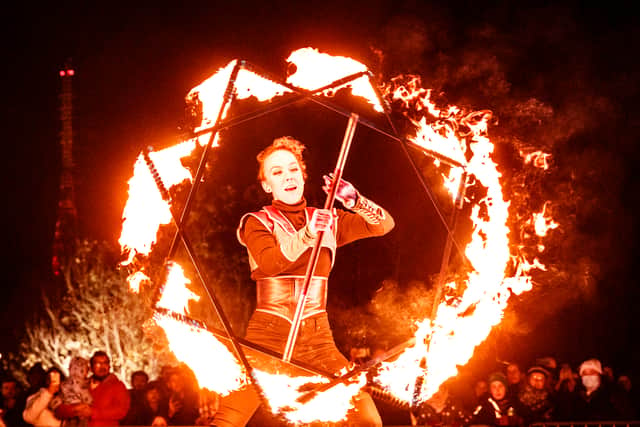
pixel 356 370
pixel 313 259
pixel 444 267
pixel 401 347
pixel 200 272
pixel 247 345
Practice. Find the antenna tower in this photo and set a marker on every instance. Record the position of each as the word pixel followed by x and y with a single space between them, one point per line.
pixel 67 217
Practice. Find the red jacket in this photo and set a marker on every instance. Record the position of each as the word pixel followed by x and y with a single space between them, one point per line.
pixel 110 403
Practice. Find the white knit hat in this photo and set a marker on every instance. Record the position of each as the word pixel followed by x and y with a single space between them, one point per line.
pixel 591 364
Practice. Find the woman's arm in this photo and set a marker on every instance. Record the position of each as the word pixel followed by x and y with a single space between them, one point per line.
pixel 272 256
pixel 371 219
pixel 36 403
pixel 355 226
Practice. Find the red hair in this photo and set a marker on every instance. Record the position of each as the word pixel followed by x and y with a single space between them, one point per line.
pixel 287 143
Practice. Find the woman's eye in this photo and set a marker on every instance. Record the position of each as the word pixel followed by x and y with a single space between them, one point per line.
pixel 277 172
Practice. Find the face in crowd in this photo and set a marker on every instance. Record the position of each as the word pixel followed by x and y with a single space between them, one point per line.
pixel 139 381
pixel 9 390
pixel 175 383
pixel 498 390
pixel 513 374
pixel 153 397
pixel 100 366
pixel 283 177
pixel 590 379
pixel 481 388
pixel 537 380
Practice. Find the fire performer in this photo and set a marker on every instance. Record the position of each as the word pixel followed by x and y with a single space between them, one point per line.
pixel 279 239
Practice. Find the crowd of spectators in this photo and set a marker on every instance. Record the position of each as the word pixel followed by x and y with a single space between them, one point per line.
pixel 93 396
pixel 544 392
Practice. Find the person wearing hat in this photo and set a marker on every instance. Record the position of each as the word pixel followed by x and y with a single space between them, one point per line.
pixel 496 409
pixel 535 398
pixel 515 378
pixel 594 401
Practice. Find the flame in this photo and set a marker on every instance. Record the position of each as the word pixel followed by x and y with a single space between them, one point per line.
pixel 211 93
pixel 145 210
pixel 136 279
pixel 460 324
pixel 442 344
pixel 329 406
pixel 538 159
pixel 315 70
pixel 543 223
pixel 228 374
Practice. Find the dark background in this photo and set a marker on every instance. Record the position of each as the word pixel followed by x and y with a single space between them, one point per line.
pixel 561 77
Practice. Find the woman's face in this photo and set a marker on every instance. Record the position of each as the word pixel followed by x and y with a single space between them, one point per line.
pixel 283 177
pixel 153 396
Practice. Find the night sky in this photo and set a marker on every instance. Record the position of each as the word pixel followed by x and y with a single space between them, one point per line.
pixel 560 77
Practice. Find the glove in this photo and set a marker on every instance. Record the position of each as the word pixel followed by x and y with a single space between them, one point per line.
pixel 294 246
pixel 346 192
pixel 320 221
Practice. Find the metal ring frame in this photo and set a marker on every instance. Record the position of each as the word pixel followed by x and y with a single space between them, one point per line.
pixel 238 344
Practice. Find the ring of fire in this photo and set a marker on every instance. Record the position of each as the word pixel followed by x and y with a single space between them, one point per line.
pixel 442 343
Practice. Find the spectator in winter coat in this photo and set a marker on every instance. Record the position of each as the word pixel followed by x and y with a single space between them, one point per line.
pixel 594 400
pixel 37 411
pixel 110 396
pixel 515 378
pixel 139 381
pixel 566 394
pixel 11 403
pixel 496 410
pixel 535 399
pixel 75 389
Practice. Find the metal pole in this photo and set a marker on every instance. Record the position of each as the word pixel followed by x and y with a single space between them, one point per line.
pixel 313 259
pixel 228 93
pixel 425 187
pixel 200 272
pixel 359 368
pixel 444 265
pixel 248 345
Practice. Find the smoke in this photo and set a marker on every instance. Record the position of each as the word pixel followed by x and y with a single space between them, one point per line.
pixel 550 90
pixel 388 319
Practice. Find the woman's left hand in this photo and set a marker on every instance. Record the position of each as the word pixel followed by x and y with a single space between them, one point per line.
pixel 346 192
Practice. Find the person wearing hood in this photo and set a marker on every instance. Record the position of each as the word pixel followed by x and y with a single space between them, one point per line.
pixel 594 400
pixel 110 396
pixel 496 409
pixel 535 400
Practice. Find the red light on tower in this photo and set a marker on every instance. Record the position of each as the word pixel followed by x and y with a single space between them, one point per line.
pixel 62 73
pixel 70 72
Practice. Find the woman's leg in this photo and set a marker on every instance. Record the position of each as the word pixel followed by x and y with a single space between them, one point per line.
pixel 237 408
pixel 317 348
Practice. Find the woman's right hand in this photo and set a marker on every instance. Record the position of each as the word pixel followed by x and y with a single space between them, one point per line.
pixel 320 221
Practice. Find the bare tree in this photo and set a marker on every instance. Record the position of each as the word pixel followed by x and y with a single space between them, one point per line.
pixel 96 312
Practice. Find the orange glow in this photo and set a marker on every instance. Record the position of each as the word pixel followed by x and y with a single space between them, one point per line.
pixel 315 70
pixel 145 210
pixel 538 159
pixel 460 324
pixel 136 280
pixel 542 222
